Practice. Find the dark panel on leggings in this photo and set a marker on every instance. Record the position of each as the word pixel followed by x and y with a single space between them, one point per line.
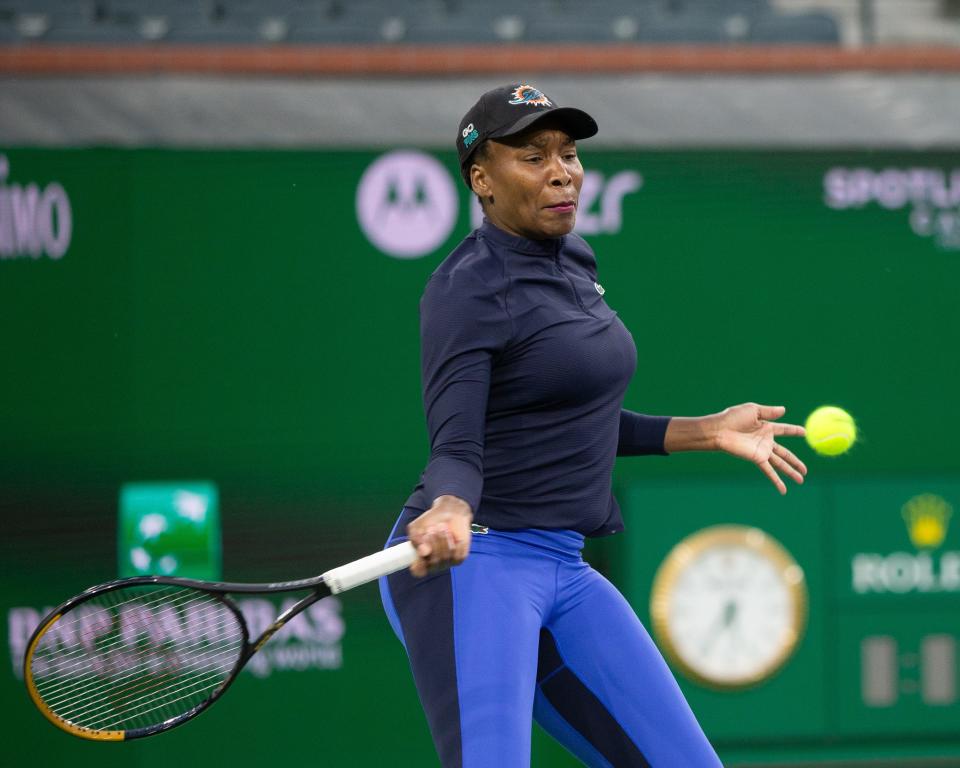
pixel 425 609
pixel 582 710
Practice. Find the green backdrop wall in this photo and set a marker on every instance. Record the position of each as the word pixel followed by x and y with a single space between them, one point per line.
pixel 249 318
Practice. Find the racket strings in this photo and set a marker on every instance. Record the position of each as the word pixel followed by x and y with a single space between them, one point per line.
pixel 55 696
pixel 80 661
pixel 117 712
pixel 201 663
pixel 147 701
pixel 60 659
pixel 136 704
pixel 62 701
pixel 67 629
pixel 166 706
pixel 136 657
pixel 70 662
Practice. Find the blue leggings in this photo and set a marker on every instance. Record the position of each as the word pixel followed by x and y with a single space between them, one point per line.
pixel 525 628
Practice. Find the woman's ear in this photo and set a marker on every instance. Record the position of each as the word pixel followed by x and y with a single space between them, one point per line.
pixel 479 181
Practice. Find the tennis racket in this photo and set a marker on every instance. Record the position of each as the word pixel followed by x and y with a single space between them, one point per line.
pixel 139 656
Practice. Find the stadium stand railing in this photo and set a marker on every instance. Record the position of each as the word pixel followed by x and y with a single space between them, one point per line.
pixel 455 37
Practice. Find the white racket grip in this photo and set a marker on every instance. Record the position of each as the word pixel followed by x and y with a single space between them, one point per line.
pixel 371 567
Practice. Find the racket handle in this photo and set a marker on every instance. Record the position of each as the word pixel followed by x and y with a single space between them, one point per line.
pixel 371 567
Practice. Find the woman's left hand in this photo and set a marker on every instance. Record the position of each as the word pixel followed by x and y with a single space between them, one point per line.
pixel 749 432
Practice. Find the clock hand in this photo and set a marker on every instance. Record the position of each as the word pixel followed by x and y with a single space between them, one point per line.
pixel 729 613
pixel 720 625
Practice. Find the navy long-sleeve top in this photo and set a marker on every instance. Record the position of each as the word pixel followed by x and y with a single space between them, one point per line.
pixel 524 370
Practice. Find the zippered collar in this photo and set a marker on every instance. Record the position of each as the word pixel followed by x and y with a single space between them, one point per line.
pixel 548 247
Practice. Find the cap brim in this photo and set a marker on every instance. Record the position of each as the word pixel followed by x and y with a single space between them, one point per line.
pixel 577 123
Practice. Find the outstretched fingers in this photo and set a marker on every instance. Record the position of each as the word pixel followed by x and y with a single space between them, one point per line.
pixel 779 460
pixel 791 459
pixel 782 466
pixel 790 430
pixel 769 471
pixel 768 412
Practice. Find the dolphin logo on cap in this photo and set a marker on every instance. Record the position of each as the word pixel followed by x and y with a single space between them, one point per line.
pixel 527 94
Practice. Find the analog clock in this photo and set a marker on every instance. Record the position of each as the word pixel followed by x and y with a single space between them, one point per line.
pixel 729 605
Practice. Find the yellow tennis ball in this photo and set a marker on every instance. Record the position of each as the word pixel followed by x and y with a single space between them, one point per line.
pixel 830 430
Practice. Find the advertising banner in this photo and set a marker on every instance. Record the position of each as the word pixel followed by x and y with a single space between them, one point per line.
pixel 249 320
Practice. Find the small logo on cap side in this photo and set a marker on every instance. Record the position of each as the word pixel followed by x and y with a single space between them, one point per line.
pixel 527 94
pixel 470 135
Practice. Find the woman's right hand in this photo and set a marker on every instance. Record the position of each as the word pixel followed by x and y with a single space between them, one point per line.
pixel 441 535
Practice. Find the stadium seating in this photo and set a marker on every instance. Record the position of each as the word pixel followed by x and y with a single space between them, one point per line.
pixel 407 21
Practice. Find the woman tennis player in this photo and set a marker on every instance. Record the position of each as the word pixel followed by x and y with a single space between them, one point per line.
pixel 524 371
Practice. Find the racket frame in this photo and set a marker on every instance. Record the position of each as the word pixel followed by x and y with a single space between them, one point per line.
pixel 331 582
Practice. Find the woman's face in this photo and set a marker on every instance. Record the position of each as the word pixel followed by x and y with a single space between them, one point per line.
pixel 530 183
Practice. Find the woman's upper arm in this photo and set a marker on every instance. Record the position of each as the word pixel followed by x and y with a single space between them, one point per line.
pixel 463 326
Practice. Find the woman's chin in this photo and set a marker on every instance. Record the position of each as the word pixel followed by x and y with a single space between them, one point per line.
pixel 560 224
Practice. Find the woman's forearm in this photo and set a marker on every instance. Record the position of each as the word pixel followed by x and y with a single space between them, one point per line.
pixel 691 433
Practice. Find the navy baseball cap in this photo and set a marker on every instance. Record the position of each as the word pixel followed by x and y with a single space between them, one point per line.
pixel 510 109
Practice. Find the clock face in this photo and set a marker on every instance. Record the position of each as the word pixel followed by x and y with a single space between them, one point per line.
pixel 729 606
